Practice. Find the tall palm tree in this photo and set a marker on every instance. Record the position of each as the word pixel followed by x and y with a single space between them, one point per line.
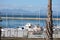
pixel 49 26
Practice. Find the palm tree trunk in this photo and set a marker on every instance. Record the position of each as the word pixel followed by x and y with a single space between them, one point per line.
pixel 49 26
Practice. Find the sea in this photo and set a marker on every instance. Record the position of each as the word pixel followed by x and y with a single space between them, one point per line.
pixel 20 23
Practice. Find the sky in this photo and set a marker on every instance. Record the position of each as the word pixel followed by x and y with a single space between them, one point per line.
pixel 23 4
pixel 28 4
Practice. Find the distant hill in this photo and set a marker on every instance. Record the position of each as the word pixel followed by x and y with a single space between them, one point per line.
pixel 25 13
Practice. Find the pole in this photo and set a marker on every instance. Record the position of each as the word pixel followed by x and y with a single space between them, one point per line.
pixel 49 27
pixel 0 19
pixel 0 33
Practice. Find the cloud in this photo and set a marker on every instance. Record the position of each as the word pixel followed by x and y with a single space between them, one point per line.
pixel 56 8
pixel 2 6
pixel 30 6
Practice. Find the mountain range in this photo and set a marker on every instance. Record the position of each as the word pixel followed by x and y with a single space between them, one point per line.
pixel 25 13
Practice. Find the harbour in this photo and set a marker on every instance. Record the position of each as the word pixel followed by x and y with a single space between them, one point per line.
pixel 29 20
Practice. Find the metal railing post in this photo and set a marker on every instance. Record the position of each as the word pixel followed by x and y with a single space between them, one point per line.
pixel 0 33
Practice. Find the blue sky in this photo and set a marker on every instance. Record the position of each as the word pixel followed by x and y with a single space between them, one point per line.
pixel 28 4
pixel 23 4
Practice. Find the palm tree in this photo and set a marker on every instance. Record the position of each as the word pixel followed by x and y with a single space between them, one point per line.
pixel 49 26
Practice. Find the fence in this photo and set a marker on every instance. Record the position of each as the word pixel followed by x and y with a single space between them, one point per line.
pixel 16 32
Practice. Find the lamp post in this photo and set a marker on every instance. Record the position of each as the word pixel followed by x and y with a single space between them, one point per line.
pixel 49 27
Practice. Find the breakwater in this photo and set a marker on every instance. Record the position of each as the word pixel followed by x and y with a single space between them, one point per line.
pixel 13 18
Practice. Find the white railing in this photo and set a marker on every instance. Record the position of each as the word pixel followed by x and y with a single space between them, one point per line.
pixel 12 32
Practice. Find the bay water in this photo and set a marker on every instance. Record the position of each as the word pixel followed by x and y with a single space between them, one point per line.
pixel 20 23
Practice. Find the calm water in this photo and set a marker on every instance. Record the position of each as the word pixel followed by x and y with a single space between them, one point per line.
pixel 17 23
